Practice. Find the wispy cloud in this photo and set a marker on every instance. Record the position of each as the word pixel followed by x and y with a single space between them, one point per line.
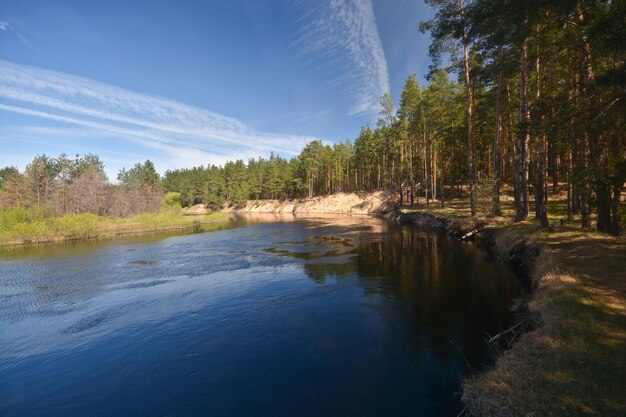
pixel 188 134
pixel 7 27
pixel 342 35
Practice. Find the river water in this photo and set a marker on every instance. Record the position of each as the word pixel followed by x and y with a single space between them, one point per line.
pixel 266 316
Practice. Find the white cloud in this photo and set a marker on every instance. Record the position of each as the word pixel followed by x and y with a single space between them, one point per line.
pixel 189 135
pixel 6 26
pixel 342 35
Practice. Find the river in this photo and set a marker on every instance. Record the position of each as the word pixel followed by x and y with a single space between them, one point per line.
pixel 265 316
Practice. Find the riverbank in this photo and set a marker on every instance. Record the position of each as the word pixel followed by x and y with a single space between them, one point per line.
pixel 574 360
pixel 20 227
pixel 33 226
pixel 376 203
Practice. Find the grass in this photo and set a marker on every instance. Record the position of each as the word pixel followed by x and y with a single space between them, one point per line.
pixel 38 225
pixel 574 362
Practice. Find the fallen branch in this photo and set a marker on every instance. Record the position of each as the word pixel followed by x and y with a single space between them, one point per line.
pixel 472 233
pixel 496 337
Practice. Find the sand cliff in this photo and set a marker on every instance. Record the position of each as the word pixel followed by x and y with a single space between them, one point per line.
pixel 378 202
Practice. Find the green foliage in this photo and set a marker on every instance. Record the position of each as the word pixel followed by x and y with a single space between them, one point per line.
pixel 172 199
pixel 386 113
pixel 410 99
pixel 11 217
pixel 144 175
pixel 214 202
pixel 237 185
pixel 7 173
pixel 76 226
pixel 34 225
pixel 33 231
pixel 22 223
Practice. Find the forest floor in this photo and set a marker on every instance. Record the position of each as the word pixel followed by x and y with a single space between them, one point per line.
pixel 574 361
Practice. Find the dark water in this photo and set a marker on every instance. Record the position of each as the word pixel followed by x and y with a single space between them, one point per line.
pixel 312 317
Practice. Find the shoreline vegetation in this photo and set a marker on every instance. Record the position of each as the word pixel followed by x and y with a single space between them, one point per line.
pixel 21 227
pixel 40 225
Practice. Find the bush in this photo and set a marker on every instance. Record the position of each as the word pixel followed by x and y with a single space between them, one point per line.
pixel 10 217
pixel 32 231
pixel 77 226
pixel 172 199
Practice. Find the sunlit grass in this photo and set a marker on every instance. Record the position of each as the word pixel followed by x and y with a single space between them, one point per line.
pixel 22 226
pixel 573 364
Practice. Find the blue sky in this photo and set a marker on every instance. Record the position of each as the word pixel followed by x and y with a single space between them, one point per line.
pixel 185 83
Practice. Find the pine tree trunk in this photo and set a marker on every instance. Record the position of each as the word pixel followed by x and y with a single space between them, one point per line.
pixel 401 178
pixel 570 183
pixel 470 145
pixel 615 207
pixel 443 169
pixel 553 166
pixel 497 152
pixel 540 194
pixel 584 188
pixel 434 158
pixel 426 169
pixel 521 166
pixel 442 194
pixel 618 179
pixel 596 160
pixel 411 170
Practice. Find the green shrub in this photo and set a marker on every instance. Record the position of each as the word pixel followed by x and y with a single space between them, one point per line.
pixel 10 217
pixel 32 231
pixel 77 226
pixel 172 199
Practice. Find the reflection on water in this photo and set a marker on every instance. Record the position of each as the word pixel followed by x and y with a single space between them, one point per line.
pixel 269 315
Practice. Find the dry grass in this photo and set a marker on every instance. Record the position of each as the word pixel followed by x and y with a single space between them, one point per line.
pixel 574 362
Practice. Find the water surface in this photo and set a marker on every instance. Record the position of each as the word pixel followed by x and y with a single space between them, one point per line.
pixel 288 317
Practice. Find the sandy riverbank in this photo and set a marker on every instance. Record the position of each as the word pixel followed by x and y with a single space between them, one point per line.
pixel 376 203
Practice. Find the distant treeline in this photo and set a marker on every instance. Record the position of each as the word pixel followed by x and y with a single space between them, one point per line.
pixel 76 186
pixel 540 102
